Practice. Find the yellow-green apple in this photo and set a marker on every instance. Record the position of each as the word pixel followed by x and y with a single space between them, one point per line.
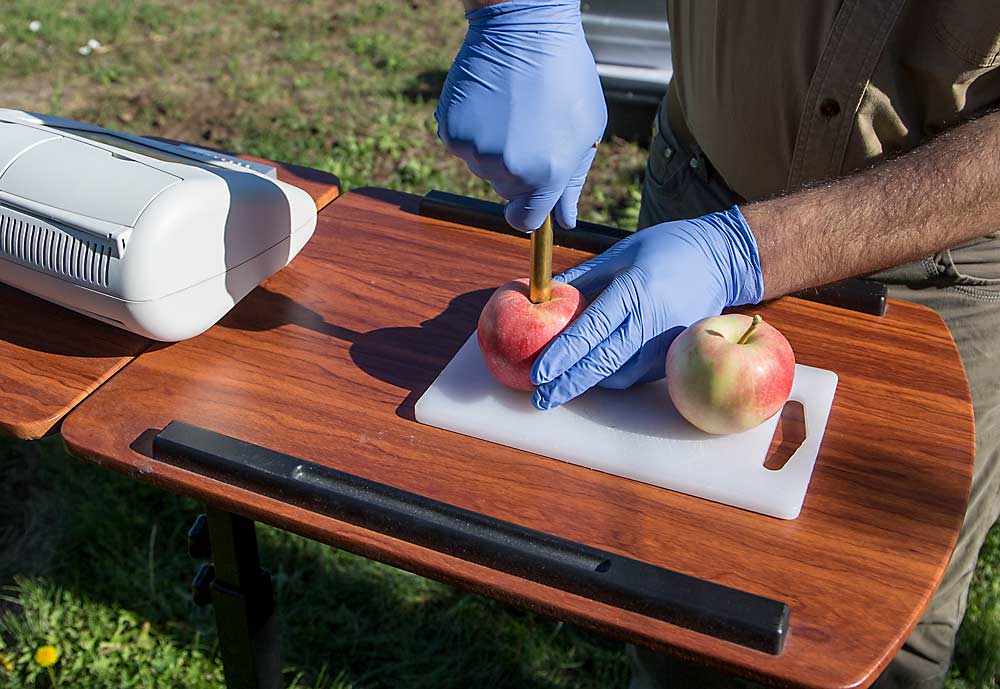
pixel 728 373
pixel 513 331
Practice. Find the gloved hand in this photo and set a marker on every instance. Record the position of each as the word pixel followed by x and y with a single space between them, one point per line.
pixel 655 283
pixel 523 107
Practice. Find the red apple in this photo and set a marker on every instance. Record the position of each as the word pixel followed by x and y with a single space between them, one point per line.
pixel 728 373
pixel 513 331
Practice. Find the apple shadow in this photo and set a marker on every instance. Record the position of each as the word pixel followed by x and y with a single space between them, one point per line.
pixel 643 409
pixel 412 358
pixel 407 357
pixel 647 410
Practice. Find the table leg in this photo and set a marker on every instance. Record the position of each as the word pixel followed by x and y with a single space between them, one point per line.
pixel 243 598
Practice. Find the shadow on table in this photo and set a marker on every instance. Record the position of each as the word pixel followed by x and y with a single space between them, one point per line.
pixel 41 326
pixel 408 357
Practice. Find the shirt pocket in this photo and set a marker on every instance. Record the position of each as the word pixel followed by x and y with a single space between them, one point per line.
pixel 970 30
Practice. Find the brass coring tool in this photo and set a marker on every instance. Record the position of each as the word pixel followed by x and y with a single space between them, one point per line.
pixel 540 282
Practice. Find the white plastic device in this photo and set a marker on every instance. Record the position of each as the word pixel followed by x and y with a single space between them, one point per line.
pixel 159 239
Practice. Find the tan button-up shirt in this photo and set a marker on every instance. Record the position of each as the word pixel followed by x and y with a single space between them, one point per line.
pixel 779 93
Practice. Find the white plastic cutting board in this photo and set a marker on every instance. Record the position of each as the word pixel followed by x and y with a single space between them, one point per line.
pixel 636 433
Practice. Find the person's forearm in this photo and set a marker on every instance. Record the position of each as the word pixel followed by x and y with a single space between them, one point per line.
pixel 940 194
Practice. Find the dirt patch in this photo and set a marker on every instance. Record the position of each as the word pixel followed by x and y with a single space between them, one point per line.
pixel 199 115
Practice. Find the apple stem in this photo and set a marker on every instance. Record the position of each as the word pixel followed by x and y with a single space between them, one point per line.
pixel 753 324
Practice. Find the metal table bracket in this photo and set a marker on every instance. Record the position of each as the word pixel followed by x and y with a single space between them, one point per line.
pixel 242 596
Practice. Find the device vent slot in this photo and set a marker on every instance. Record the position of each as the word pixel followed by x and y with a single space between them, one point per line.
pixel 43 248
pixel 53 251
pixel 74 266
pixel 62 258
pixel 30 244
pixel 37 236
pixel 105 262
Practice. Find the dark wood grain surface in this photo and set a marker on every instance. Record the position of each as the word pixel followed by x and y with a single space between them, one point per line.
pixel 52 358
pixel 326 360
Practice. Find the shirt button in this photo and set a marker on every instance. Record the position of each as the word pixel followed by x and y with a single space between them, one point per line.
pixel 693 163
pixel 829 107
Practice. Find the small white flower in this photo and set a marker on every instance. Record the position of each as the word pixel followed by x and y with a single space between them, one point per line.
pixel 35 26
pixel 85 50
pixel 93 44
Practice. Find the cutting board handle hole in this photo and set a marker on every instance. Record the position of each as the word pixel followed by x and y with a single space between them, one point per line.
pixel 603 567
pixel 789 434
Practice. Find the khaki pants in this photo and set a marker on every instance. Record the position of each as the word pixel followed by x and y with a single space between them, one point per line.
pixel 963 285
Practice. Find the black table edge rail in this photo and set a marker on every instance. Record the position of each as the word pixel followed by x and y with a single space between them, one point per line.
pixel 702 606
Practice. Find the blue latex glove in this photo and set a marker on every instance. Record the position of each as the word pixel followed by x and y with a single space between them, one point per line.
pixel 523 107
pixel 655 283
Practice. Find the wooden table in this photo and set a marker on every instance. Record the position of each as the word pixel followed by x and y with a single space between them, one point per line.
pixel 53 357
pixel 326 360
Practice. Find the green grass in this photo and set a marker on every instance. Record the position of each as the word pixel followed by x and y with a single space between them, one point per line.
pixel 977 658
pixel 348 87
pixel 94 563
